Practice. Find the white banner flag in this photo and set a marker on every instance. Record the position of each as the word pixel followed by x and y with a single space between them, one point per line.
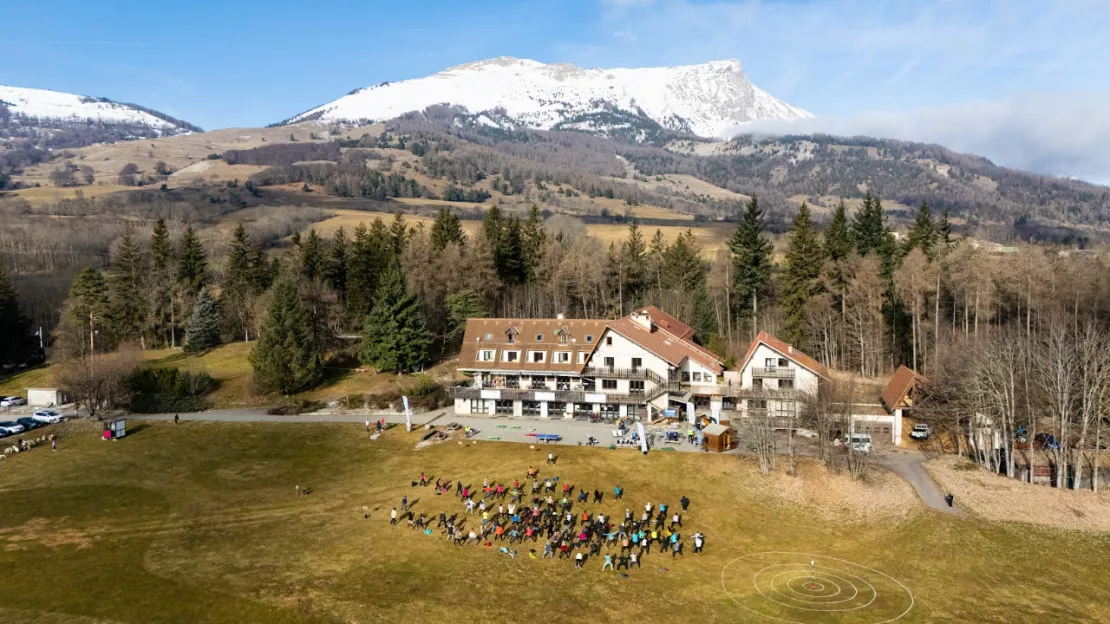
pixel 408 414
pixel 690 412
pixel 643 437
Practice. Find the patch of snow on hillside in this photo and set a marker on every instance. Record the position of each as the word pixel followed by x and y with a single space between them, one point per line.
pixel 42 103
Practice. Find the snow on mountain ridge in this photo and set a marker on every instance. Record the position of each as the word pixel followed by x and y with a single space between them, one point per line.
pixel 43 103
pixel 706 99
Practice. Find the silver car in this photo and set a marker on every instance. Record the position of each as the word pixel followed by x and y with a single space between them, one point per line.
pixel 12 401
pixel 47 416
pixel 11 428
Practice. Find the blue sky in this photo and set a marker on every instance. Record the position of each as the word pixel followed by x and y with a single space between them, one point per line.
pixel 905 68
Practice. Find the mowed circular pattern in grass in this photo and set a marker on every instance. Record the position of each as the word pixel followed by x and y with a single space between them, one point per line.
pixel 802 588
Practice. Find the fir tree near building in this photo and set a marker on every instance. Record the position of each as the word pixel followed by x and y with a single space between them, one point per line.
pixel 751 263
pixel 203 331
pixel 804 258
pixel 395 337
pixel 287 357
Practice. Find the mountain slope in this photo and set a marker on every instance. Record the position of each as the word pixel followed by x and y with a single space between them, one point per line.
pixel 705 100
pixel 55 119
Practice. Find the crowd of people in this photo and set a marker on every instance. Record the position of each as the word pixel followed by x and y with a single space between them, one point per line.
pixel 554 519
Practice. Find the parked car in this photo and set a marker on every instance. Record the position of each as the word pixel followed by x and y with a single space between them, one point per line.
pixel 861 442
pixel 921 431
pixel 30 423
pixel 11 428
pixel 47 416
pixel 12 401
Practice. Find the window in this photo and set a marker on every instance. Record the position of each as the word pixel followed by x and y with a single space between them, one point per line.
pixel 589 338
pixel 769 363
pixel 608 384
pixel 511 356
pixel 608 341
pixel 686 376
pixel 582 355
pixel 511 334
pixel 637 363
pixel 489 336
pixel 757 384
pixel 697 376
pixel 786 384
pixel 537 356
pixel 477 406
pixel 562 357
pixel 588 385
pixel 783 363
pixel 486 355
pixel 539 337
pixel 636 385
pixel 562 338
pixel 610 362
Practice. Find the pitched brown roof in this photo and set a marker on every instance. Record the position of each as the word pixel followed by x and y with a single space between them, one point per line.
pixel 669 323
pixel 668 346
pixel 530 335
pixel 787 351
pixel 902 383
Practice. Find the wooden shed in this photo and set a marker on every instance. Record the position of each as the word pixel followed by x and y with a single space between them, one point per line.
pixel 719 438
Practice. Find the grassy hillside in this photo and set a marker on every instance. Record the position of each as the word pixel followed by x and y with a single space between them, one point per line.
pixel 202 522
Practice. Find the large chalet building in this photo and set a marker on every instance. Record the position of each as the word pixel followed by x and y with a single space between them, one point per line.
pixel 640 366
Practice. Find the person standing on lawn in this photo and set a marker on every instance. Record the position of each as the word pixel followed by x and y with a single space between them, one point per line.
pixel 685 502
pixel 579 559
pixel 393 516
pixel 608 562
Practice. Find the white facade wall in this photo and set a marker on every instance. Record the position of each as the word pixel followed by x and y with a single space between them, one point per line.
pixel 622 351
pixel 805 380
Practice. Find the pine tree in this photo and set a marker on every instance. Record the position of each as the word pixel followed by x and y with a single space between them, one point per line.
pixel 635 264
pixel 492 224
pixel 192 264
pixel 804 257
pixel 446 229
pixel 838 239
pixel 704 317
pixel 18 345
pixel 335 266
pixel 395 337
pixel 532 236
pixel 286 357
pixel 398 233
pixel 203 331
pixel 944 232
pixel 128 309
pixel 682 266
pixel 241 281
pixel 868 226
pixel 751 260
pixel 655 259
pixel 510 262
pixel 161 284
pixel 88 309
pixel 311 256
pixel 923 233
pixel 463 305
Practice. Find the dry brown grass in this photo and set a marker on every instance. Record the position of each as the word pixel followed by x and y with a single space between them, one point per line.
pixel 996 497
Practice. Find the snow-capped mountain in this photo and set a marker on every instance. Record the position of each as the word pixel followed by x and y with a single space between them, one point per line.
pixel 705 99
pixel 67 120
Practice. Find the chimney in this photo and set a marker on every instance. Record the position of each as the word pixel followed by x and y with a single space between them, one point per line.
pixel 642 318
pixel 790 348
pixel 560 316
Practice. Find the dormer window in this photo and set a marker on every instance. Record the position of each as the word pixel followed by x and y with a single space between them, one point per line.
pixel 563 334
pixel 511 335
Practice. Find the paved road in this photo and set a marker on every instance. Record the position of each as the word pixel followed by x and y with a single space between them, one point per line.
pixel 505 429
pixel 907 464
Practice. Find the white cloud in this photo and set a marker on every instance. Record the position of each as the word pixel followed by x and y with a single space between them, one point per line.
pixel 1064 134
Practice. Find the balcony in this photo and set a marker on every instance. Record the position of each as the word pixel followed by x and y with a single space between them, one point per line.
pixel 561 396
pixel 623 373
pixel 773 372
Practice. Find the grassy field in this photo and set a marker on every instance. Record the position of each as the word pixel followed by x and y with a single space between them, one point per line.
pixel 200 522
pixel 229 365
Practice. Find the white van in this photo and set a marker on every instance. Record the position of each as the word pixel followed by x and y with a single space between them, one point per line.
pixel 861 442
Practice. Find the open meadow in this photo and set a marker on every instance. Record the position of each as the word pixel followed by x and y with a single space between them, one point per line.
pixel 203 522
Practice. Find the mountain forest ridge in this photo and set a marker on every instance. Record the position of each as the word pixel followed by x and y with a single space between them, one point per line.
pixel 630 146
